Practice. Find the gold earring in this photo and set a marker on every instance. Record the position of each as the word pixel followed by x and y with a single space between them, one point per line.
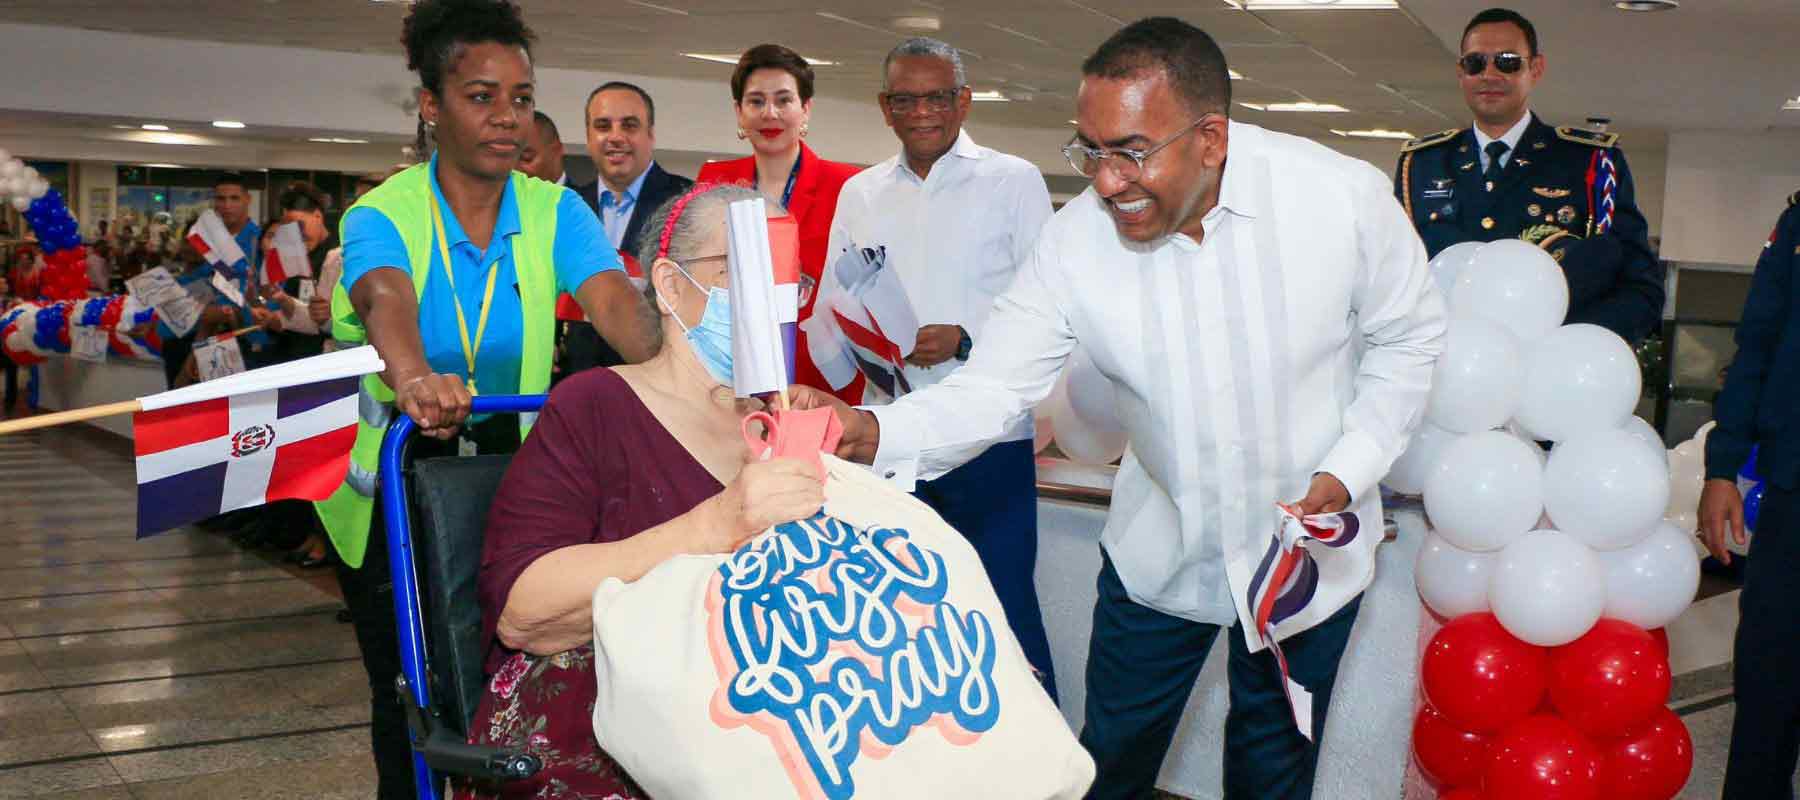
pixel 743 134
pixel 803 128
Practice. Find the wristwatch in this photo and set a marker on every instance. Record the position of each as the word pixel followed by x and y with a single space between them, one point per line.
pixel 963 345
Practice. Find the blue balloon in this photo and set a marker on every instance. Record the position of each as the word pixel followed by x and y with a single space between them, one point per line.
pixel 1750 471
pixel 1753 506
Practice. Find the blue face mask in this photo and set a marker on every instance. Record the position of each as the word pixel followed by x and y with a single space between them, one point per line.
pixel 711 338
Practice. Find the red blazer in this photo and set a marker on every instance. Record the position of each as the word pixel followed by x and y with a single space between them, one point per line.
pixel 813 205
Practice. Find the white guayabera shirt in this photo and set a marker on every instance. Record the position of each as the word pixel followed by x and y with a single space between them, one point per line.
pixel 1296 337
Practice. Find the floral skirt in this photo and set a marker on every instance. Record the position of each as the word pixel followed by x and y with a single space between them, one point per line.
pixel 544 705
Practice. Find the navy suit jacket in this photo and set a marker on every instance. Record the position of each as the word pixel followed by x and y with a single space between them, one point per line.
pixel 1758 405
pixel 658 187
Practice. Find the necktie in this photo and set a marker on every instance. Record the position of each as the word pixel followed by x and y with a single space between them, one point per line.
pixel 1495 150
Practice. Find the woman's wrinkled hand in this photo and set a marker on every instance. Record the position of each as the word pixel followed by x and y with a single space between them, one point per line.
pixel 764 494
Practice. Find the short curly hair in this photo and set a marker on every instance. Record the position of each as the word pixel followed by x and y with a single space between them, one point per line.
pixel 435 29
pixel 771 56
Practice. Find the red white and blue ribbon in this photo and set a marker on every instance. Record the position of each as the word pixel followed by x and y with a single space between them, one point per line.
pixel 1285 582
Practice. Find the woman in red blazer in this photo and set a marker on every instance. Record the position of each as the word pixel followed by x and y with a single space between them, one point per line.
pixel 772 89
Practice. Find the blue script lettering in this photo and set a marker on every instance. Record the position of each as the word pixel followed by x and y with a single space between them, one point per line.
pixel 780 627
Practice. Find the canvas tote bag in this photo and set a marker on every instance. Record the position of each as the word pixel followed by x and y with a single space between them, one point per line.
pixel 861 653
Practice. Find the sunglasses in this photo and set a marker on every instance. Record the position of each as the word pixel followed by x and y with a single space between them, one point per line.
pixel 1476 63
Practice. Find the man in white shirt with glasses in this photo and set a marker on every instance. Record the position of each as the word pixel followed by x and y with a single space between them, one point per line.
pixel 1270 329
pixel 956 220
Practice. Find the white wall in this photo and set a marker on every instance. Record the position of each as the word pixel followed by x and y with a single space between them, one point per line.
pixel 1723 192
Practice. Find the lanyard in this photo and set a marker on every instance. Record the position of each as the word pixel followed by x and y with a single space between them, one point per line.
pixel 787 194
pixel 462 322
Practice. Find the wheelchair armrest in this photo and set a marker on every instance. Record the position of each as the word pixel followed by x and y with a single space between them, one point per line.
pixel 445 751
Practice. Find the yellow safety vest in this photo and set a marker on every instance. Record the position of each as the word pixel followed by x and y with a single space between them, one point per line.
pixel 405 200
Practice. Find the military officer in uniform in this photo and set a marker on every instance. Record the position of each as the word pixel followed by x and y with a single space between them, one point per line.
pixel 1512 175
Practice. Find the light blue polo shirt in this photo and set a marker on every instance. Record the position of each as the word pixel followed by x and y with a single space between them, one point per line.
pixel 372 242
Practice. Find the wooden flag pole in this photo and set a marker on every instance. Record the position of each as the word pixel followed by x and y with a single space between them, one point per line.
pixel 66 417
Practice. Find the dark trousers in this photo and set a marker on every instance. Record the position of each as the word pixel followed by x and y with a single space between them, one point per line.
pixel 1141 668
pixel 992 501
pixel 11 378
pixel 1765 734
pixel 369 594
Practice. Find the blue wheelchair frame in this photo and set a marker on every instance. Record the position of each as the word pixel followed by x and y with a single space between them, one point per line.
pixel 396 513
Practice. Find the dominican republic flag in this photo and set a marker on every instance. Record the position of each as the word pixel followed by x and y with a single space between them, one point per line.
pixel 1285 582
pixel 863 322
pixel 286 257
pixel 281 432
pixel 765 302
pixel 214 241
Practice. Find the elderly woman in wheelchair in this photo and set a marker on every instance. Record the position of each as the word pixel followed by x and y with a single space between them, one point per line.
pixel 625 468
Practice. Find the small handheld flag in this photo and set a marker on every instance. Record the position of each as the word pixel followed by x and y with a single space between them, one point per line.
pixel 763 311
pixel 286 257
pixel 214 241
pixel 280 432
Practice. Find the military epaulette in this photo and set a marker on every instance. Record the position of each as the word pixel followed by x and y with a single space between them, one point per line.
pixel 1427 141
pixel 1587 137
pixel 1794 200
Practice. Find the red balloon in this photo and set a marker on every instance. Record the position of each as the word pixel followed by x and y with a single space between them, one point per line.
pixel 1542 758
pixel 1480 677
pixel 1448 756
pixel 1462 794
pixel 1661 635
pixel 1610 681
pixel 1650 763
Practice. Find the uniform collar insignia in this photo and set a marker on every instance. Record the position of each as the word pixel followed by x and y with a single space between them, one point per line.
pixel 1553 194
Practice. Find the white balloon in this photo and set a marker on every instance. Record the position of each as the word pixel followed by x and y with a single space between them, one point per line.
pixel 1605 489
pixel 1486 490
pixel 1475 385
pixel 1080 441
pixel 1700 435
pixel 4 156
pixel 13 185
pixel 1449 263
pixel 1515 284
pixel 1650 583
pixel 1452 581
pixel 19 204
pixel 1687 477
pixel 1547 588
pixel 1690 449
pixel 1091 393
pixel 38 188
pixel 1407 476
pixel 1645 432
pixel 11 168
pixel 1578 378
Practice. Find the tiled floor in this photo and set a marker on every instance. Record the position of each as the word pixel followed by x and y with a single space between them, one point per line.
pixel 174 667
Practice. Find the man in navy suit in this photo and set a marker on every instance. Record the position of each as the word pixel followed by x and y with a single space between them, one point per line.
pixel 1758 408
pixel 621 139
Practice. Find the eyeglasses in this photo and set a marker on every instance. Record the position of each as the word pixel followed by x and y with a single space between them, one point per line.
pixel 1127 164
pixel 1476 63
pixel 938 101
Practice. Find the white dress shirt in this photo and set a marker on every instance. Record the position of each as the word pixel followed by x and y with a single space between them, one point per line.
pixel 955 238
pixel 1511 138
pixel 1298 336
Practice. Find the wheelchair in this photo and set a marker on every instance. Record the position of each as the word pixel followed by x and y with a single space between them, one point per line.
pixel 439 619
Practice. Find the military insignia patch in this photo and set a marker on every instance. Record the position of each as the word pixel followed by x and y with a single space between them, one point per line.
pixel 1565 215
pixel 1534 209
pixel 1587 137
pixel 1545 191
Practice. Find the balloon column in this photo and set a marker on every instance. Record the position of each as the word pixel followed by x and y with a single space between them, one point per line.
pixel 31 332
pixel 1553 573
pixel 65 272
pixel 1687 477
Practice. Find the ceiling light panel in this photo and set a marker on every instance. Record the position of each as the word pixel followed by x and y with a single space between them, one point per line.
pixel 1303 107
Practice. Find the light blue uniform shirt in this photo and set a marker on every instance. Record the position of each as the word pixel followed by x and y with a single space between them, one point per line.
pixel 616 217
pixel 372 242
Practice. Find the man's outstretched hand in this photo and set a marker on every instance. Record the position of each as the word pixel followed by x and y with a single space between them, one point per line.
pixel 862 433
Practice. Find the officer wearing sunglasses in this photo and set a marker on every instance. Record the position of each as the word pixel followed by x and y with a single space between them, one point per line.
pixel 1511 175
